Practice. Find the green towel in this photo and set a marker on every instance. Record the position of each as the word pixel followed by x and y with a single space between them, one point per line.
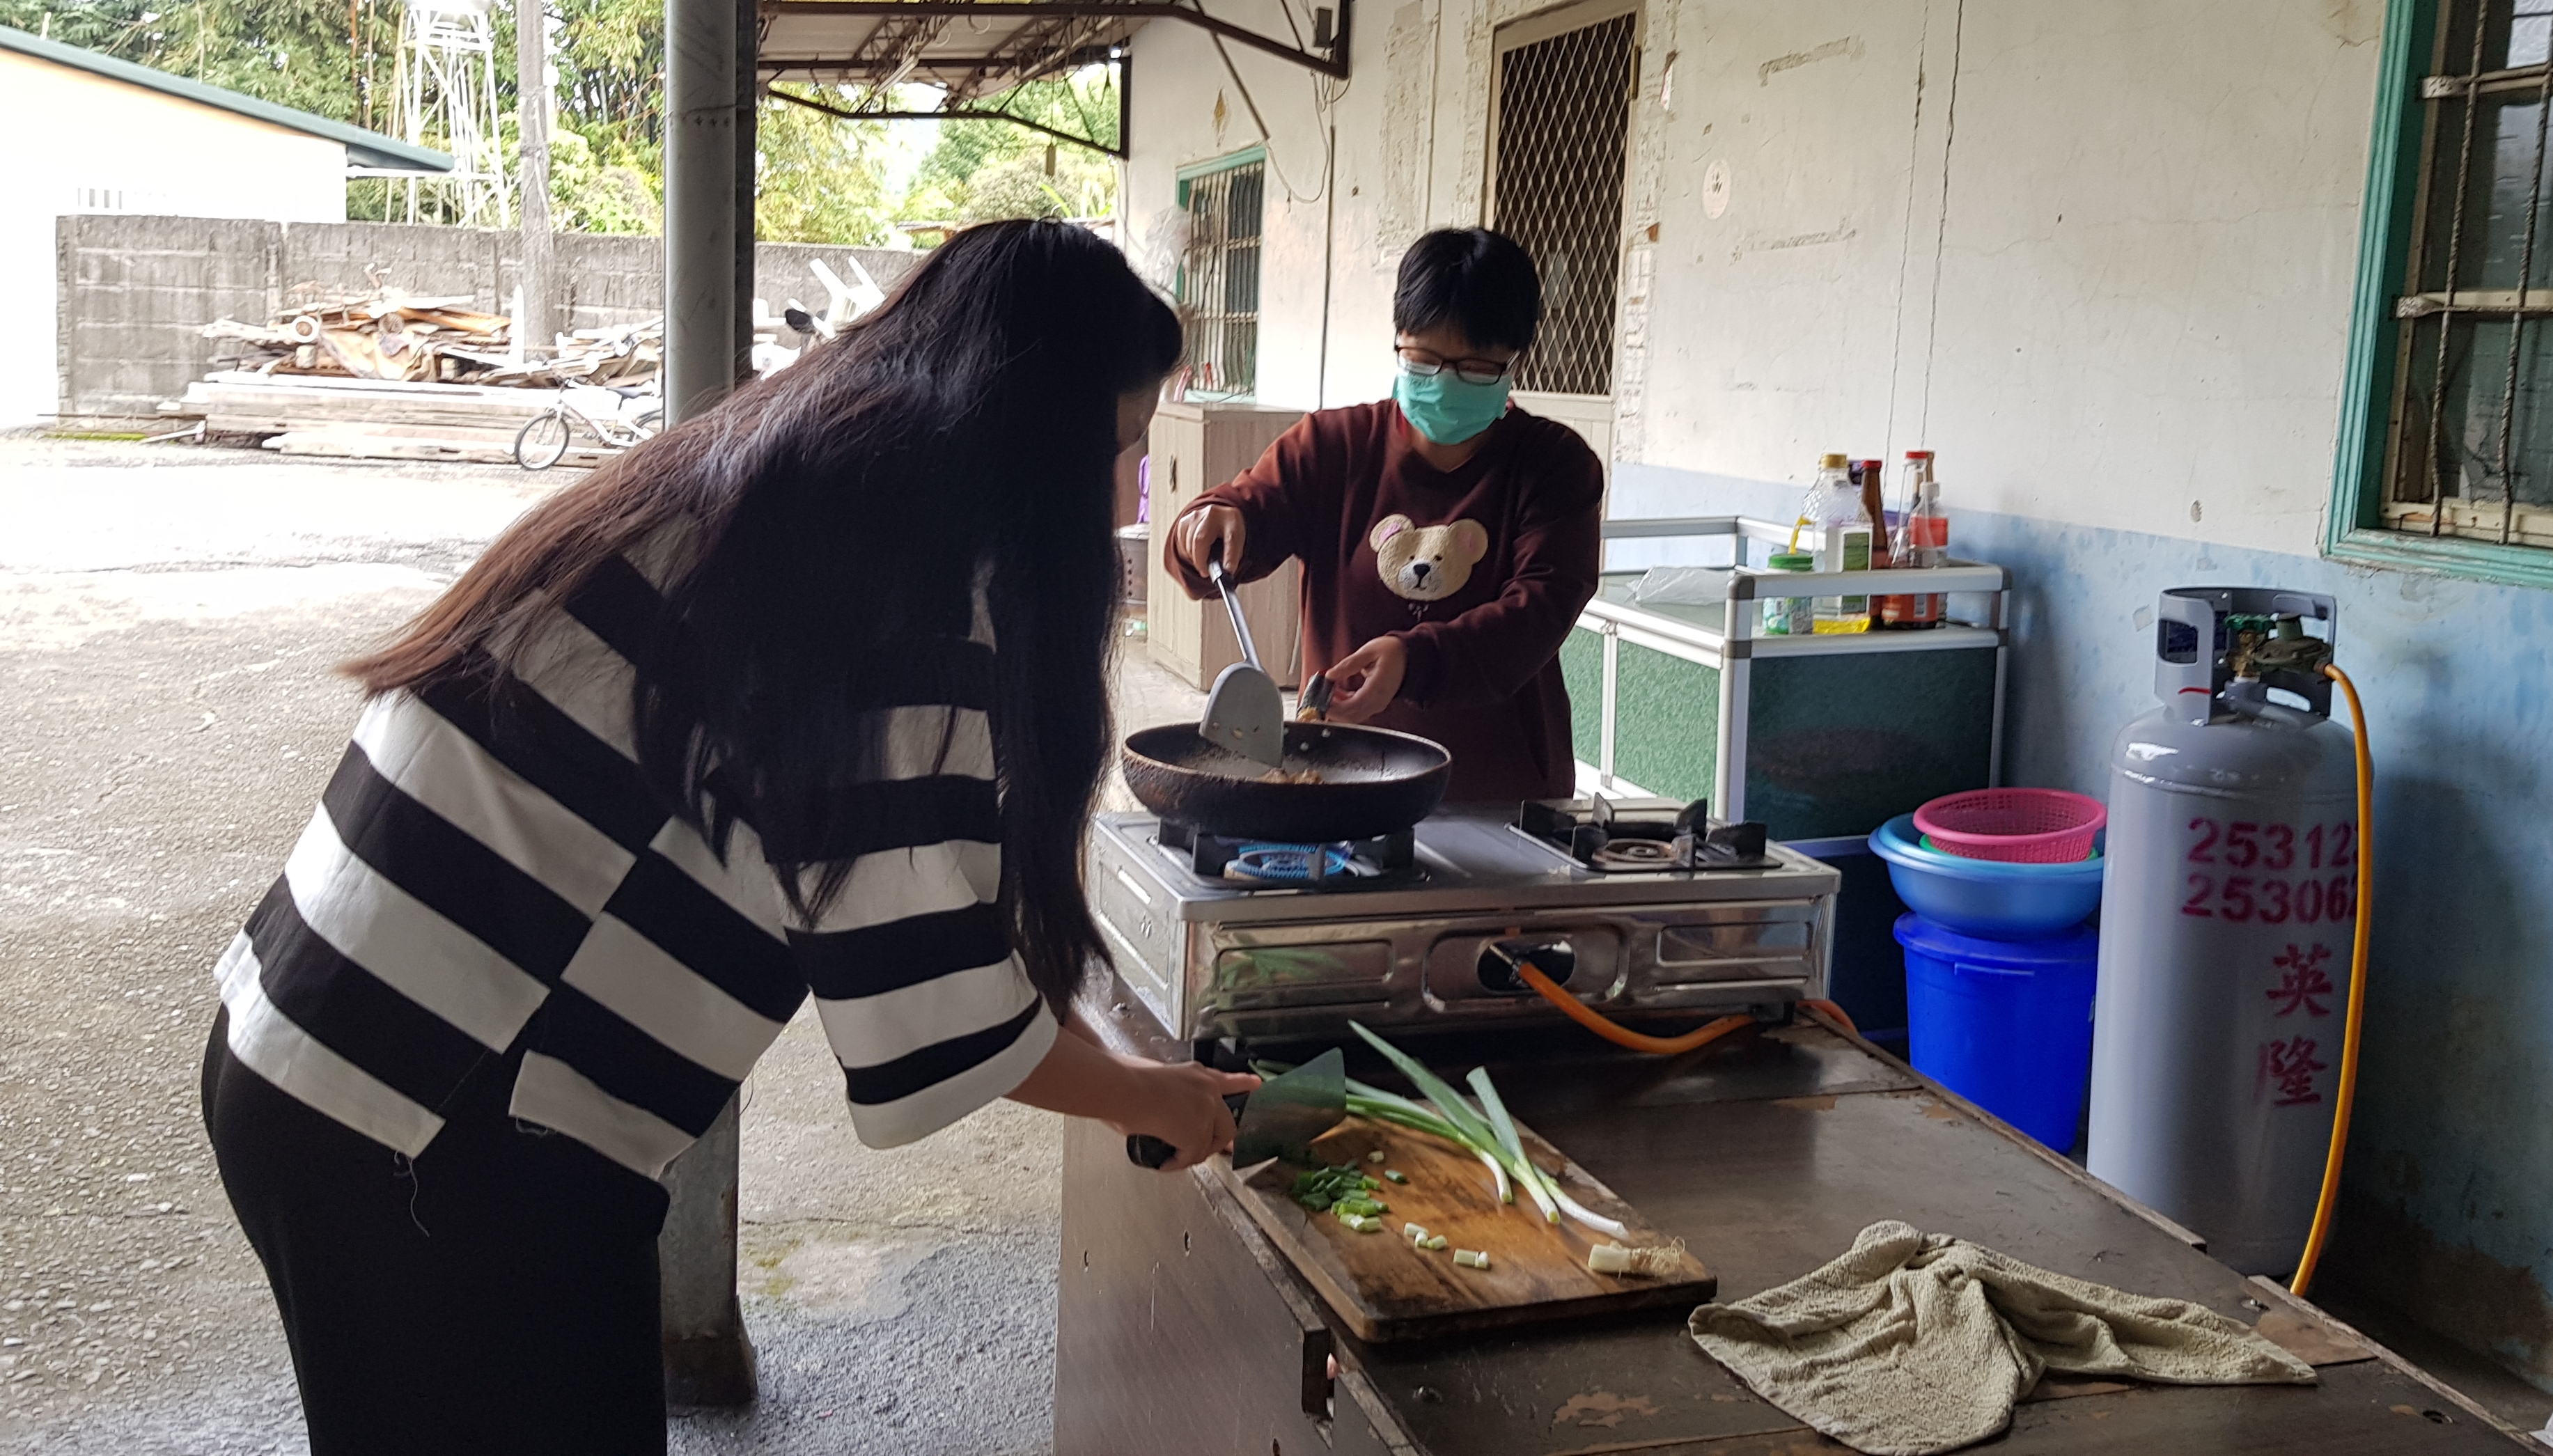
pixel 1913 1343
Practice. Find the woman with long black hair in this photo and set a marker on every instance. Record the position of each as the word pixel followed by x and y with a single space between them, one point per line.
pixel 807 695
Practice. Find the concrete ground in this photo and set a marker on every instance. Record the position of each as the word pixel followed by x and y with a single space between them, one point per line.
pixel 167 715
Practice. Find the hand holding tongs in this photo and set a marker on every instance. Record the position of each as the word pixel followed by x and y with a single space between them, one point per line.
pixel 1312 705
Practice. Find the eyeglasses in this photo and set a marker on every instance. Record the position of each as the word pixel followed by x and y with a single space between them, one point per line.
pixel 1420 364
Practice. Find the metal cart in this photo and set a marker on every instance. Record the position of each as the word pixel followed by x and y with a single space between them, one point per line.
pixel 1821 738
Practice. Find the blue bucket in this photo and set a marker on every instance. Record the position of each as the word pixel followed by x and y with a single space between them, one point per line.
pixel 1986 897
pixel 2005 1024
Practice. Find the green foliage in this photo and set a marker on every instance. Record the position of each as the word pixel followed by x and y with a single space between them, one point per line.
pixel 309 55
pixel 820 179
pixel 979 171
pixel 592 194
pixel 612 81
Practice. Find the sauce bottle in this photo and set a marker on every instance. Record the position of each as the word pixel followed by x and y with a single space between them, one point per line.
pixel 1923 540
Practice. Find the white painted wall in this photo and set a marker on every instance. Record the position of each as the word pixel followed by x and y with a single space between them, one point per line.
pixel 1409 129
pixel 84 142
pixel 2100 257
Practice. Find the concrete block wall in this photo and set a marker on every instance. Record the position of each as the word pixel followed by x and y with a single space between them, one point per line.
pixel 134 292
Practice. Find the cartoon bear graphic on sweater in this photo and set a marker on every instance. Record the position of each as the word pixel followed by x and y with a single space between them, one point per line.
pixel 1426 563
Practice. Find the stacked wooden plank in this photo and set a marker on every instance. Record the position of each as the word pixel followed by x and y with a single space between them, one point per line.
pixel 371 418
pixel 397 377
pixel 400 339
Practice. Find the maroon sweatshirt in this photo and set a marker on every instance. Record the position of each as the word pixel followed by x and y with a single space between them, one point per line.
pixel 1480 571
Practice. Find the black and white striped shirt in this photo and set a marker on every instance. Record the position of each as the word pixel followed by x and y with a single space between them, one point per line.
pixel 488 866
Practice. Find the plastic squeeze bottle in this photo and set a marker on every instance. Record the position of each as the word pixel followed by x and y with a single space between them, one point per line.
pixel 1840 529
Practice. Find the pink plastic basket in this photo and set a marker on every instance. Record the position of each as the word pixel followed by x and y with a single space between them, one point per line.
pixel 2016 825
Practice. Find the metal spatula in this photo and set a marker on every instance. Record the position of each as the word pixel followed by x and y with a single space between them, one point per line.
pixel 1243 714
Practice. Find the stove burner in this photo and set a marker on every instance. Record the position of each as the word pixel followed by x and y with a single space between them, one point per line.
pixel 1255 864
pixel 1636 835
pixel 1635 854
pixel 1288 863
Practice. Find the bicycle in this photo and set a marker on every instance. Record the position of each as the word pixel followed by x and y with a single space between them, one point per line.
pixel 544 438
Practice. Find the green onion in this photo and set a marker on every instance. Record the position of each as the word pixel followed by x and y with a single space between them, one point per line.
pixel 1433 1242
pixel 1611 1228
pixel 1487 1132
pixel 1434 1088
pixel 1396 1175
pixel 1471 1259
pixel 1532 1177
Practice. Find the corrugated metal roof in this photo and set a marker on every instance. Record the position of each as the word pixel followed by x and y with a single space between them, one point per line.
pixel 363 149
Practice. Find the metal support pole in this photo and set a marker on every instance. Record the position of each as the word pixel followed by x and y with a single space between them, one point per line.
pixel 538 324
pixel 748 101
pixel 708 1361
pixel 700 204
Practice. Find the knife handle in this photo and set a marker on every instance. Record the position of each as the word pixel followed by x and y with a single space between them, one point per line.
pixel 1146 1151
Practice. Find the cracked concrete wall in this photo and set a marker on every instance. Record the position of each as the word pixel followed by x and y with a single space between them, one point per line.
pixel 135 292
pixel 2101 257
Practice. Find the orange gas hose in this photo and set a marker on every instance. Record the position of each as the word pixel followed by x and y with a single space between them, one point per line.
pixel 2348 1094
pixel 1832 1012
pixel 1623 1036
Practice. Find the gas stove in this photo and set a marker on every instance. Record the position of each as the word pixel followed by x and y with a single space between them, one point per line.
pixel 1422 931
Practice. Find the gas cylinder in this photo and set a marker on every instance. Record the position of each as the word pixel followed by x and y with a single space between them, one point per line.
pixel 2228 903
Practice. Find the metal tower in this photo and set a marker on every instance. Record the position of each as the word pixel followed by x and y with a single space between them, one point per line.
pixel 447 100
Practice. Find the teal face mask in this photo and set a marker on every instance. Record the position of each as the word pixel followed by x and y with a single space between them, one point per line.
pixel 1446 409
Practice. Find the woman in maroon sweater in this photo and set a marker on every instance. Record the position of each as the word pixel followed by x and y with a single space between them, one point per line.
pixel 1448 539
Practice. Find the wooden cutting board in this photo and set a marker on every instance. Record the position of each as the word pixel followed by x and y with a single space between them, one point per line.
pixel 1386 1288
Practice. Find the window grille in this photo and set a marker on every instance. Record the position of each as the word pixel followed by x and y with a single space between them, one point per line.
pixel 1563 121
pixel 2471 453
pixel 1219 278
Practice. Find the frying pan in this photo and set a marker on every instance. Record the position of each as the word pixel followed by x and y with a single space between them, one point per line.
pixel 1374 782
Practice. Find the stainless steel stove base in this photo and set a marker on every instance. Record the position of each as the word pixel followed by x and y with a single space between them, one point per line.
pixel 1213 959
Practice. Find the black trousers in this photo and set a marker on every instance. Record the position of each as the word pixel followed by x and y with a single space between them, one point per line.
pixel 496 1294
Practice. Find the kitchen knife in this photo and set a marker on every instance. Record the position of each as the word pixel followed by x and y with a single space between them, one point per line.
pixel 1286 1112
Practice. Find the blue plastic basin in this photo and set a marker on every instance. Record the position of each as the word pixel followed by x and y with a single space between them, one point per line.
pixel 2005 1024
pixel 1986 897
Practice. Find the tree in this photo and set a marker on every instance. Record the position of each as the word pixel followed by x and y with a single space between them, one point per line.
pixel 1017 172
pixel 820 179
pixel 302 54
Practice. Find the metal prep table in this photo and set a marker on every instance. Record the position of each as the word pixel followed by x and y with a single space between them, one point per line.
pixel 1182 1329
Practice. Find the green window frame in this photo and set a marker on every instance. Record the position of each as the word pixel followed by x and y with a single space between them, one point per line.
pixel 2394 385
